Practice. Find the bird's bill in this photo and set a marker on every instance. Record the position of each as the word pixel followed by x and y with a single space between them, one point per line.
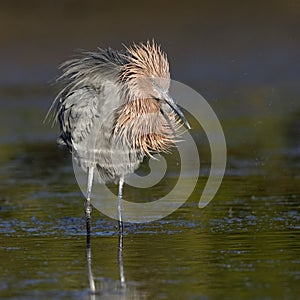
pixel 176 109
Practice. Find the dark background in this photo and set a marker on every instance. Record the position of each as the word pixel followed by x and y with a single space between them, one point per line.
pixel 229 45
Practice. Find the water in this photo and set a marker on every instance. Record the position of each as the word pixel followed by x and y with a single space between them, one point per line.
pixel 244 245
pixel 242 248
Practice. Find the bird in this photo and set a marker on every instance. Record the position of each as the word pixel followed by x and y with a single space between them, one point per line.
pixel 115 109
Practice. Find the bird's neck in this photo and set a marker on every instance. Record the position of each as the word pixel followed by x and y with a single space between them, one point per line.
pixel 142 125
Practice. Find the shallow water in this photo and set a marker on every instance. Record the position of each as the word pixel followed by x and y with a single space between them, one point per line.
pixel 244 245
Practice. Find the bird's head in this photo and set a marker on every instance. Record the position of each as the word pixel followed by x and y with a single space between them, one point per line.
pixel 147 76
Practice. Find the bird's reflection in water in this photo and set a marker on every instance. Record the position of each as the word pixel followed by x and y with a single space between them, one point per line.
pixel 89 265
pixel 120 261
pixel 105 288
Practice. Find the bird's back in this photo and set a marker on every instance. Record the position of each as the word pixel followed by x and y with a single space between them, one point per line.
pixel 87 109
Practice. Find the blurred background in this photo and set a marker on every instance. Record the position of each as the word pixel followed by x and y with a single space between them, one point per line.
pixel 243 57
pixel 208 42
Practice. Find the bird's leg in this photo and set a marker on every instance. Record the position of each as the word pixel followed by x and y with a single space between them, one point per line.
pixel 88 206
pixel 120 222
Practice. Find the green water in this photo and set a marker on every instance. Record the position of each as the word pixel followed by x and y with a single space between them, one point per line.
pixel 243 245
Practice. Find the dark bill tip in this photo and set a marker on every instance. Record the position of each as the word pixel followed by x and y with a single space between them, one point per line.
pixel 177 110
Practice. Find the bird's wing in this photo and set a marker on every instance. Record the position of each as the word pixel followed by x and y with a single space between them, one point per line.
pixel 77 115
pixel 92 70
pixel 88 82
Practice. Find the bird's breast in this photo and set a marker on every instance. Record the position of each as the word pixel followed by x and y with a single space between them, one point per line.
pixel 143 125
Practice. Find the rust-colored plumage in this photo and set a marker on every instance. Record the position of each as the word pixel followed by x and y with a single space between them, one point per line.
pixel 146 61
pixel 141 124
pixel 140 121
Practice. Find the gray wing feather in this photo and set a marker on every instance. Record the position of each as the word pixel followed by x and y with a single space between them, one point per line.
pixel 92 70
pixel 78 114
pixel 77 104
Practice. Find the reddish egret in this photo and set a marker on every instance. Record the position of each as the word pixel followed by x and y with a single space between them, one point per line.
pixel 114 110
